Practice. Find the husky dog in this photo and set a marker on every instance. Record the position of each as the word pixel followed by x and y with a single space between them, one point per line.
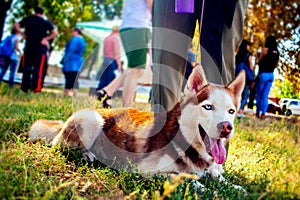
pixel 189 138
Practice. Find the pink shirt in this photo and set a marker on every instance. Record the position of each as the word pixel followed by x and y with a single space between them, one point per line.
pixel 112 46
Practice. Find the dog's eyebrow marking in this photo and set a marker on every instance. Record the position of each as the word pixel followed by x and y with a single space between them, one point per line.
pixel 203 93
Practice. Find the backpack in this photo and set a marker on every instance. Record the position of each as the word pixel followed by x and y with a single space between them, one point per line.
pixel 243 66
pixel 6 46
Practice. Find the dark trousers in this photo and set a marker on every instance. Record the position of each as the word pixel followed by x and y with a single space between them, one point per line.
pixel 172 34
pixel 5 64
pixel 34 70
pixel 171 38
pixel 107 75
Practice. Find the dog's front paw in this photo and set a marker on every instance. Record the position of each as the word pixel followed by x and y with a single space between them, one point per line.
pixel 215 170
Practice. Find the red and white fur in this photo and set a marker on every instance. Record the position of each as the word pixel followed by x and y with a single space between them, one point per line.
pixel 189 138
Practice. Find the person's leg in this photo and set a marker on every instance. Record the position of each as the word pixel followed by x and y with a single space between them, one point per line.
pixel 45 69
pixel 135 43
pixel 4 66
pixel 265 93
pixel 252 95
pixel 75 92
pixel 27 70
pixel 67 83
pixel 66 92
pixel 244 97
pixel 13 68
pixel 130 85
pixel 116 84
pixel 40 58
pixel 104 95
pixel 75 76
pixel 71 83
pixel 172 34
pixel 107 75
pixel 259 93
pixel 231 40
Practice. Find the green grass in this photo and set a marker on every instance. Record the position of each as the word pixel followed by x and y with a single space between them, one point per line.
pixel 263 159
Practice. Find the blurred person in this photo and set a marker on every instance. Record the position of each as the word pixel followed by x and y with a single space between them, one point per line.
pixel 252 93
pixel 190 64
pixel 221 33
pixel 11 61
pixel 267 61
pixel 111 61
pixel 135 37
pixel 243 60
pixel 72 61
pixel 38 33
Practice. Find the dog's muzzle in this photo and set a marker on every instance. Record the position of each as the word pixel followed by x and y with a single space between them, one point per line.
pixel 215 146
pixel 225 129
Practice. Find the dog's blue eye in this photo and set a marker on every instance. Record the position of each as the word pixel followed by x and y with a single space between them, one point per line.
pixel 208 107
pixel 231 111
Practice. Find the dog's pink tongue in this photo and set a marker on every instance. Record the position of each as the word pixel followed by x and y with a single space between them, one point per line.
pixel 218 150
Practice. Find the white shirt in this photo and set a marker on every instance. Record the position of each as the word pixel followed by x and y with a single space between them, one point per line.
pixel 136 14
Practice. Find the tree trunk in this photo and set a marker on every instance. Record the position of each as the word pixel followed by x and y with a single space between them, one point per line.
pixel 5 6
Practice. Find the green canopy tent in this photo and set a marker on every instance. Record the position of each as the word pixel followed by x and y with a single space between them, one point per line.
pixel 97 31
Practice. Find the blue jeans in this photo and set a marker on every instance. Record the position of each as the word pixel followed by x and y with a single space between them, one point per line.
pixel 262 91
pixel 13 66
pixel 107 76
pixel 245 95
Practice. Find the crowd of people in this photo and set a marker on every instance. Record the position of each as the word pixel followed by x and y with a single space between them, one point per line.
pixel 259 87
pixel 171 56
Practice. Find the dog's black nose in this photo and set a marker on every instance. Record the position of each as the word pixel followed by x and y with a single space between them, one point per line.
pixel 225 128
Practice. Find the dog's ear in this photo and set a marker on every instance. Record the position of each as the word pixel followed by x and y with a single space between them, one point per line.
pixel 238 84
pixel 197 79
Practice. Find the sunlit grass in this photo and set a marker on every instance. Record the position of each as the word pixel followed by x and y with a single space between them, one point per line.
pixel 263 159
pixel 268 151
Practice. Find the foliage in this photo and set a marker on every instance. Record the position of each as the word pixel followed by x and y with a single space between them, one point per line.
pixel 289 68
pixel 63 14
pixel 266 17
pixel 263 159
pixel 5 6
pixel 108 9
pixel 286 89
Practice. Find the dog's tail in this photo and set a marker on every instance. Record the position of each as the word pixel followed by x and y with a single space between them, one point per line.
pixel 45 129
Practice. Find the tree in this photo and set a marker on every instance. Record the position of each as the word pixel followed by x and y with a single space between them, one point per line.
pixel 5 6
pixel 110 9
pixel 64 14
pixel 265 17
